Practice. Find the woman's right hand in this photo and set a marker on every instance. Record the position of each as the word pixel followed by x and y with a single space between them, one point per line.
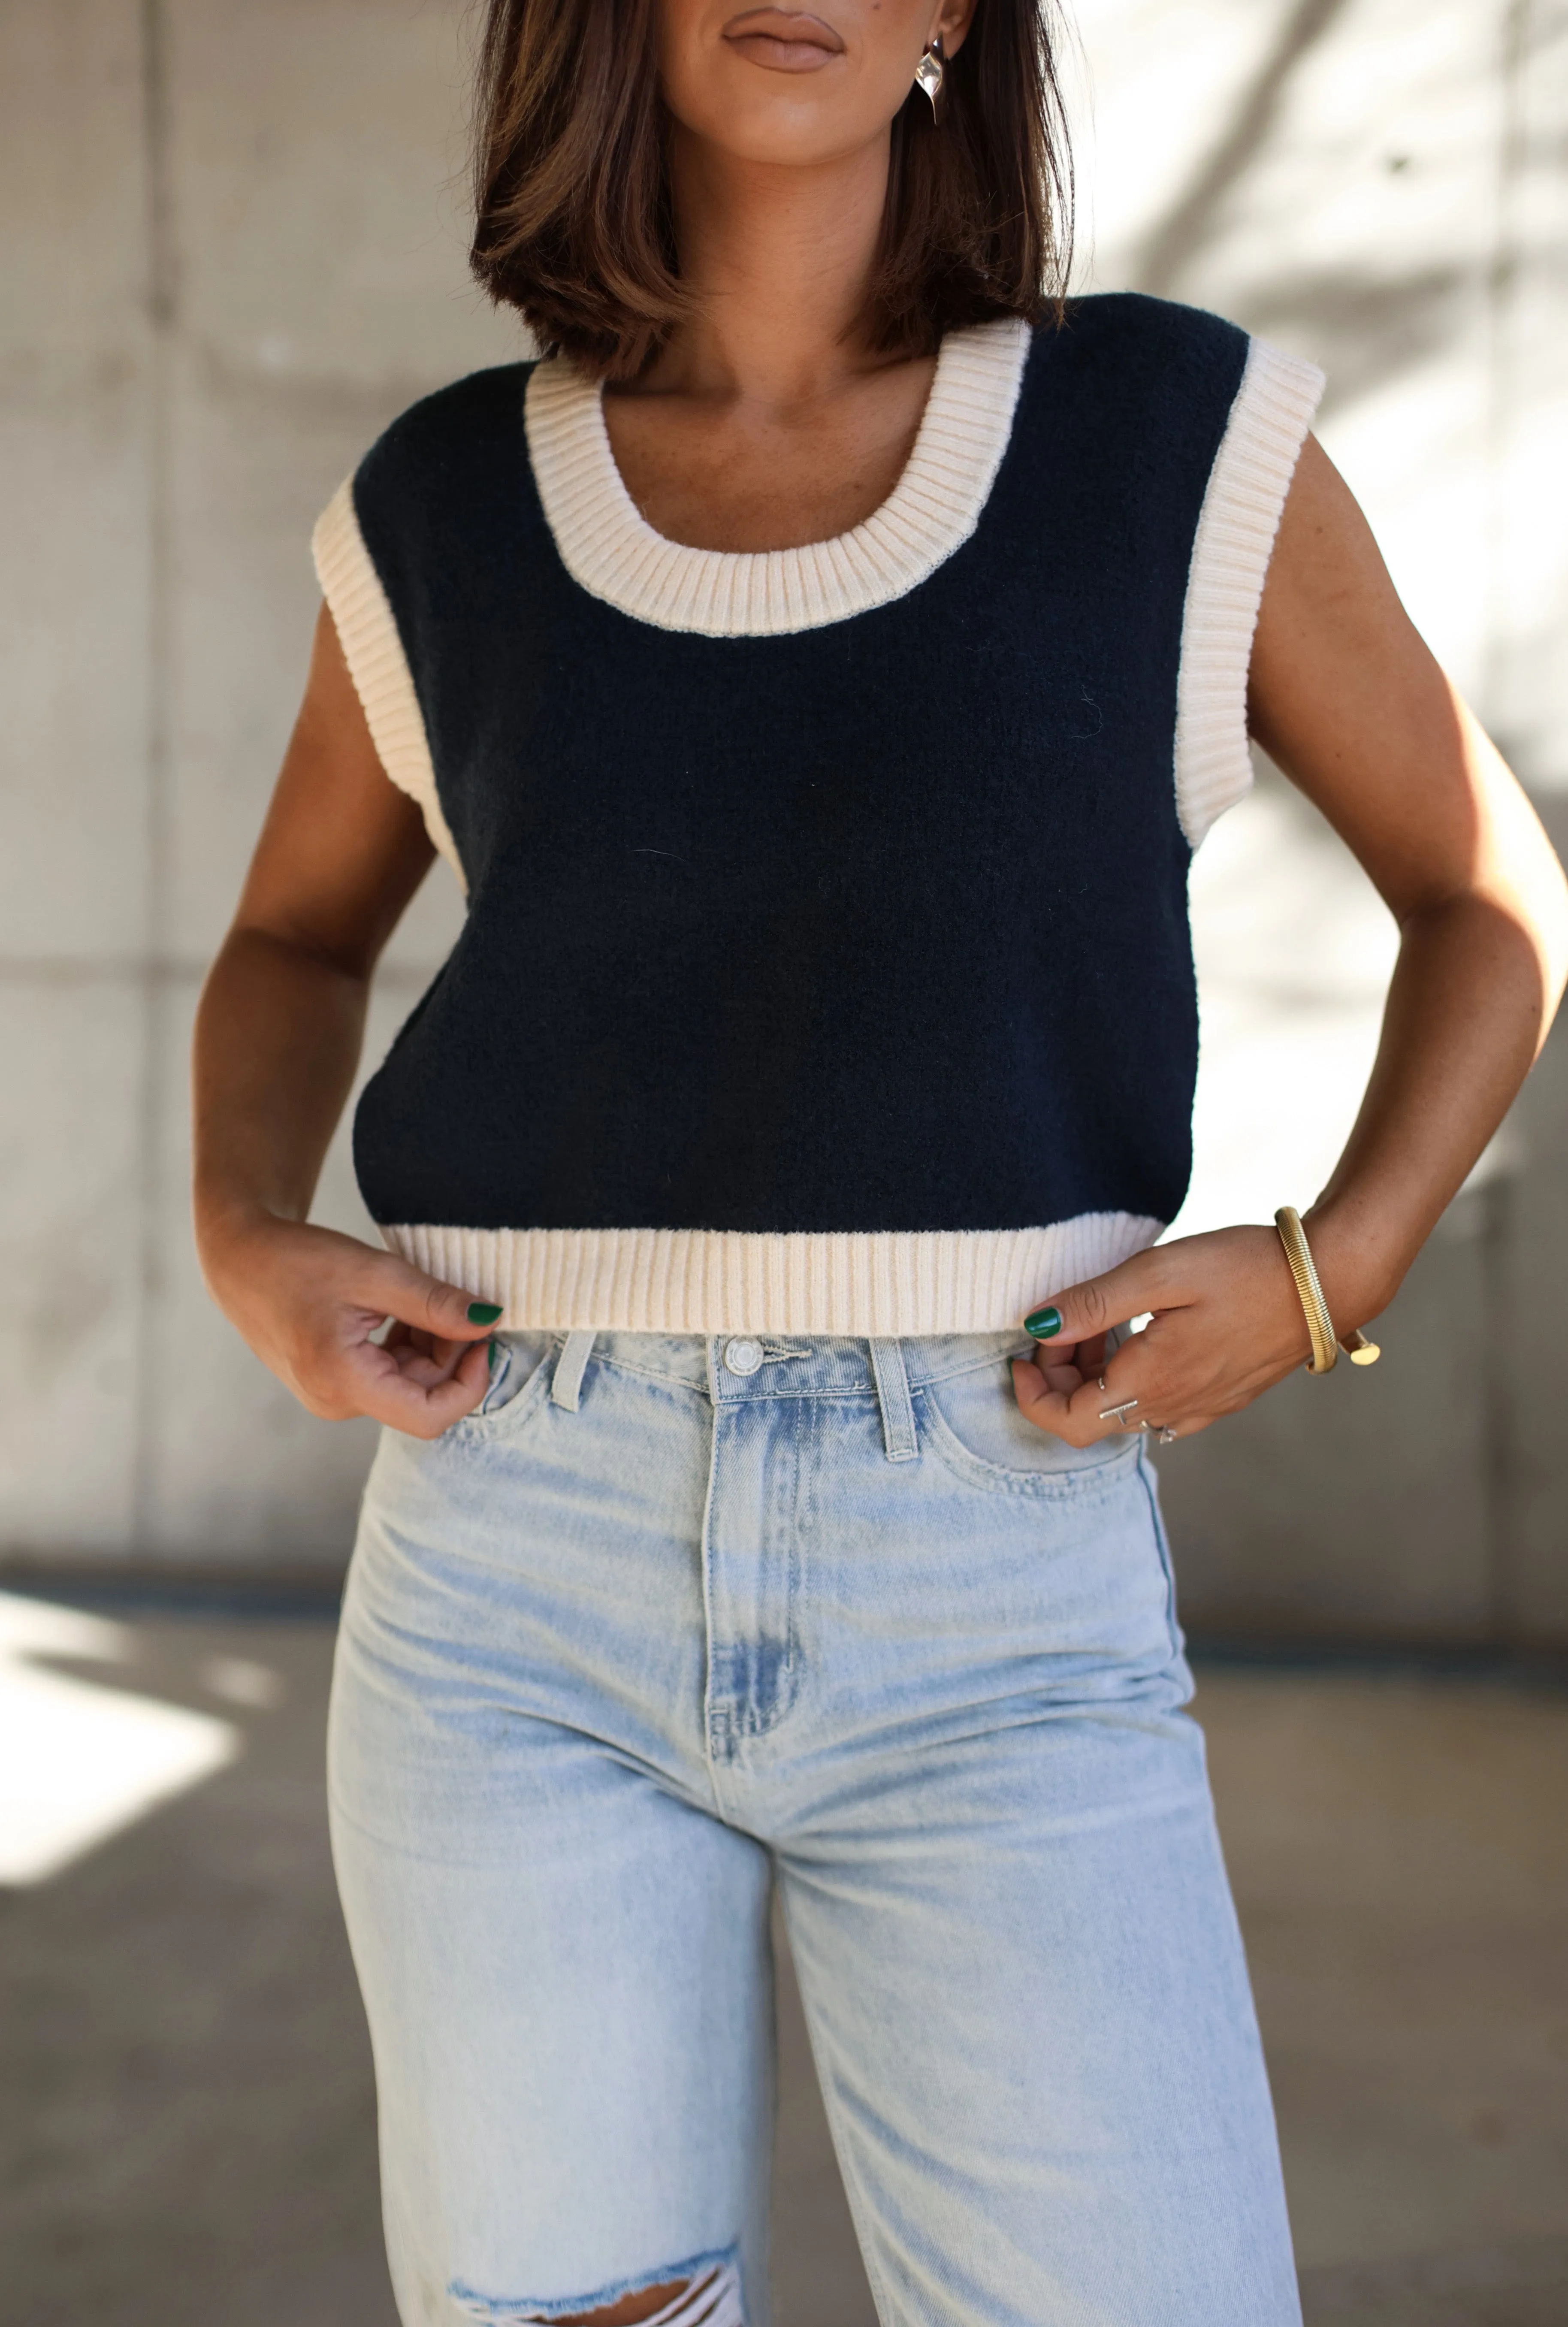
pixel 308 1301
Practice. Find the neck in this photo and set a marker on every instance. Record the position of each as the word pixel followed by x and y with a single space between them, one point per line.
pixel 777 258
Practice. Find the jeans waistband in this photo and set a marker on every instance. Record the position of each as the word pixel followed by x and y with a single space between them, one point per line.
pixel 738 1368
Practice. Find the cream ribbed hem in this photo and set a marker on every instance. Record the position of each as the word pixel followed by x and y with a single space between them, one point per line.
pixel 368 633
pixel 1251 476
pixel 606 545
pixel 725 1281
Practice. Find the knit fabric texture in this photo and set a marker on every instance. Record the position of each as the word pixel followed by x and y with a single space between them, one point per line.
pixel 826 963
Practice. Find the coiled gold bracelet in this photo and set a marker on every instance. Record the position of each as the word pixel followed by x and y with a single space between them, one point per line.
pixel 1326 1347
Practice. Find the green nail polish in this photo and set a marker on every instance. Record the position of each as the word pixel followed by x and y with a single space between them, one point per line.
pixel 1043 1323
pixel 483 1313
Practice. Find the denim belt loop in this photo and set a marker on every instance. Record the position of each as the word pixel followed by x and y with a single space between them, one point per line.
pixel 892 1393
pixel 566 1386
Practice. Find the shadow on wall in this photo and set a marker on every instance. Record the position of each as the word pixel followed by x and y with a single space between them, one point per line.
pixel 1381 190
pixel 1366 326
pixel 1377 185
pixel 1175 248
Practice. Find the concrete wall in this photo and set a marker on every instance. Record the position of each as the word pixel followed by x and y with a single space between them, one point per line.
pixel 233 251
pixel 1380 186
pixel 233 239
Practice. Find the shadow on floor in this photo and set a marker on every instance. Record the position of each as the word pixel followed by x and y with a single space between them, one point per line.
pixel 186 2116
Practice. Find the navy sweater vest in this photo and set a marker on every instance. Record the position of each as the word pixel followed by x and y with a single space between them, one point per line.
pixel 835 974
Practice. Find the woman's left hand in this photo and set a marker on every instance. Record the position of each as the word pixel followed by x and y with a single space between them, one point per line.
pixel 1226 1325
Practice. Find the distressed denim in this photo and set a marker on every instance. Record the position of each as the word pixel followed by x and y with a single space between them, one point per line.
pixel 668 1622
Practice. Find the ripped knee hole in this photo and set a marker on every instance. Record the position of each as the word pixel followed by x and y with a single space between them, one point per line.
pixel 711 2297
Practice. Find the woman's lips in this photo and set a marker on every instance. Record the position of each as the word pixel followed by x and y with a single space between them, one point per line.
pixel 782 41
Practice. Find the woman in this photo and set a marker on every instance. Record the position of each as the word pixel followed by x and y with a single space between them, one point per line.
pixel 818 672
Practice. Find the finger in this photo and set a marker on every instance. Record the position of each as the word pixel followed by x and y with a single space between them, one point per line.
pixel 390 1288
pixel 439 1354
pixel 429 1370
pixel 427 1367
pixel 1134 1386
pixel 413 1340
pixel 1068 1413
pixel 1081 1417
pixel 1087 1311
pixel 1187 1426
pixel 423 1410
pixel 1058 1368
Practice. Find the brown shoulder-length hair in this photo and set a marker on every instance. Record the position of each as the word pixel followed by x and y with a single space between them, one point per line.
pixel 571 191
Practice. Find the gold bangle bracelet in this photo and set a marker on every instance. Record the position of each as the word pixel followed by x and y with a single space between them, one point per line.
pixel 1326 1346
pixel 1319 1324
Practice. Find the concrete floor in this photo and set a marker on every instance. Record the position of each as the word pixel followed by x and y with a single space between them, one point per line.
pixel 186 2116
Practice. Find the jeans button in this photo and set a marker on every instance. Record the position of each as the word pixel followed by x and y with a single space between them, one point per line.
pixel 743 1355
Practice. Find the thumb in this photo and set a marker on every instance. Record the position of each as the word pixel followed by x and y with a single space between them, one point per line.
pixel 427 1304
pixel 1097 1304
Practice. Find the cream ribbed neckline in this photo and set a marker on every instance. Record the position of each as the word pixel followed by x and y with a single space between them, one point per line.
pixel 933 508
pixel 607 544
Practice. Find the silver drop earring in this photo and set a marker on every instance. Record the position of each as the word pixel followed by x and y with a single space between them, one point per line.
pixel 930 73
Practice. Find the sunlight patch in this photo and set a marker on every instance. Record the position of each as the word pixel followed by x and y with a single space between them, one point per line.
pixel 77 1762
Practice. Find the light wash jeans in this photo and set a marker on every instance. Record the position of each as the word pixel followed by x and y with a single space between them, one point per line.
pixel 669 1620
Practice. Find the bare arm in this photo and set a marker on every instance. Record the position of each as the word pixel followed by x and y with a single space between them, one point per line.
pixel 1349 702
pixel 277 1041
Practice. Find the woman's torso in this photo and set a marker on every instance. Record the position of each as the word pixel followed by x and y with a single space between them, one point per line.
pixel 827 964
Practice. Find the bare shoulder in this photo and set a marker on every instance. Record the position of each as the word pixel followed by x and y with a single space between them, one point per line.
pixel 1327 579
pixel 1346 698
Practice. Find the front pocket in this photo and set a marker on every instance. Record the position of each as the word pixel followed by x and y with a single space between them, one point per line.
pixel 972 1423
pixel 521 1365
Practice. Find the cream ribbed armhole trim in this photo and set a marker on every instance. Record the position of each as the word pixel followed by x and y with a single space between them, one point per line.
pixel 606 545
pixel 1251 476
pixel 368 633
